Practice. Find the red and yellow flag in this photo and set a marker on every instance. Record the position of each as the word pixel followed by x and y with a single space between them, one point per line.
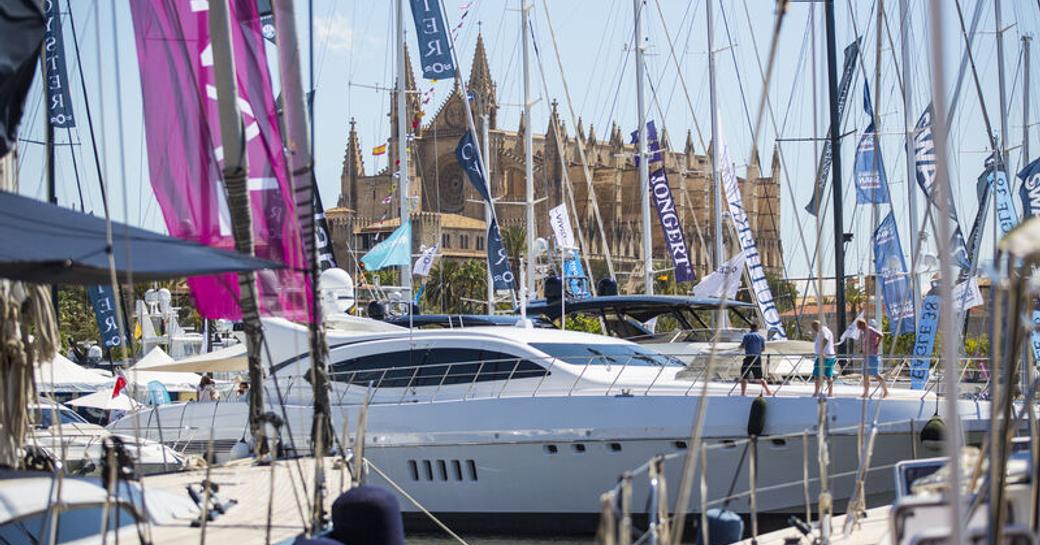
pixel 379 150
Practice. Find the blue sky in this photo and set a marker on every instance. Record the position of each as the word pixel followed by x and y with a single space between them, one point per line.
pixel 354 51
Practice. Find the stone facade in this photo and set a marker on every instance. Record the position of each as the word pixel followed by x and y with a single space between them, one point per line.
pixel 439 187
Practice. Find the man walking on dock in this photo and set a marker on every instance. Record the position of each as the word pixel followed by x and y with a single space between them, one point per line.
pixel 825 358
pixel 871 339
pixel 753 344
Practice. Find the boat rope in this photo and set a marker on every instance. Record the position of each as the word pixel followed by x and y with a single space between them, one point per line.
pixel 415 502
pixel 606 532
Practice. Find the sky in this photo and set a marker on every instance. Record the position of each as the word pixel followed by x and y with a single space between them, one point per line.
pixel 354 51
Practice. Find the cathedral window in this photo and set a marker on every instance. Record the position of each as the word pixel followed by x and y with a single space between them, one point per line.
pixel 446 240
pixel 480 242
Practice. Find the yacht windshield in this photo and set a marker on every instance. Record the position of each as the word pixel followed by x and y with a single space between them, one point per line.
pixel 607 354
pixel 44 416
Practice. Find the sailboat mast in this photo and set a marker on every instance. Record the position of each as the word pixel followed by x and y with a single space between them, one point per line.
pixel 1026 39
pixel 641 146
pixel 1002 85
pixel 839 220
pixel 908 127
pixel 532 227
pixel 875 208
pixel 402 147
pixel 235 174
pixel 716 183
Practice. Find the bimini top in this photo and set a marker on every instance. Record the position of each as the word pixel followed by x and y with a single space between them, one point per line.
pixel 640 307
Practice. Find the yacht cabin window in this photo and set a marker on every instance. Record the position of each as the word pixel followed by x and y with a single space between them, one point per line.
pixel 607 354
pixel 433 367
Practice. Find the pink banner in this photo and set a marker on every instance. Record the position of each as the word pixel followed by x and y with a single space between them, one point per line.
pixel 185 153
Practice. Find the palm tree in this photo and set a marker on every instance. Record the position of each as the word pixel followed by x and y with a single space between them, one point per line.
pixel 454 286
pixel 514 240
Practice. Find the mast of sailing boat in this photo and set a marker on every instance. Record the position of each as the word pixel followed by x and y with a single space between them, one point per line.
pixel 908 127
pixel 839 220
pixel 233 141
pixel 402 149
pixel 641 155
pixel 716 182
pixel 300 162
pixel 532 227
pixel 875 215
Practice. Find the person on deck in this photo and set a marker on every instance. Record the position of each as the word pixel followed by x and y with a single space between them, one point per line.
pixel 871 339
pixel 753 344
pixel 825 358
pixel 207 390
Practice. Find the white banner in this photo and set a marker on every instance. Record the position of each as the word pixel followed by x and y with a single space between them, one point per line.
pixel 561 226
pixel 725 281
pixel 425 262
pixel 763 295
pixel 967 295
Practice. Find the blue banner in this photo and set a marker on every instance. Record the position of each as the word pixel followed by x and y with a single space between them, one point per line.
pixel 395 250
pixel 104 303
pixel 158 394
pixel 667 216
pixel 577 282
pixel 469 157
pixel 59 103
pixel 1034 338
pixel 824 168
pixel 434 47
pixel 890 267
pixel 871 182
pixel 1007 217
pixel 1029 193
pixel 924 164
pixel 498 259
pixel 924 343
pixel 983 186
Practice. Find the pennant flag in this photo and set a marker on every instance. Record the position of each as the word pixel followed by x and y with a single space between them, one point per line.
pixel 469 157
pixel 724 282
pixel 824 168
pixel 560 222
pixel 395 250
pixel 1029 192
pixel 498 259
pixel 752 259
pixel 667 216
pixel 59 104
pixel 425 262
pixel 119 385
pixel 182 131
pixel 101 298
pixel 379 150
pixel 434 47
pixel 890 267
pixel 924 341
pixel 967 295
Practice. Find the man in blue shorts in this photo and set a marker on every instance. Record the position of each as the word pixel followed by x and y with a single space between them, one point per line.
pixel 871 339
pixel 825 358
pixel 753 344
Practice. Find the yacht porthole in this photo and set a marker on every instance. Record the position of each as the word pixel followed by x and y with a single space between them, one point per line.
pixel 472 467
pixel 578 447
pixel 728 443
pixel 551 449
pixel 428 470
pixel 414 469
pixel 680 445
pixel 442 470
pixel 615 447
pixel 456 467
pixel 778 442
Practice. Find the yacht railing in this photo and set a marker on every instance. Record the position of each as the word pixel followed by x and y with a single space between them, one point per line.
pixel 635 375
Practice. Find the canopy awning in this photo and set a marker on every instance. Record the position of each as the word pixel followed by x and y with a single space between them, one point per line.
pixel 140 374
pixel 62 376
pixel 46 244
pixel 102 399
pixel 231 359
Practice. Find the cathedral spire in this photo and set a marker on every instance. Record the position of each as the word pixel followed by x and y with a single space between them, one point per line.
pixel 481 85
pixel 688 149
pixel 754 169
pixel 411 99
pixel 353 168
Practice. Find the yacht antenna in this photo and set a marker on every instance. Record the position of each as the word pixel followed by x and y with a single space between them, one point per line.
pixel 641 146
pixel 532 226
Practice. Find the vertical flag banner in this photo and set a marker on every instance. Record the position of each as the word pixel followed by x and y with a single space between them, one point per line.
pixel 890 267
pixel 667 216
pixel 869 171
pixel 323 236
pixel 1007 217
pixel 498 259
pixel 395 250
pixel 753 260
pixel 434 47
pixel 560 222
pixel 983 186
pixel 425 261
pixel 183 139
pixel 101 298
pixel 469 157
pixel 1029 193
pixel 924 165
pixel 577 283
pixel 924 342
pixel 59 104
pixel 824 168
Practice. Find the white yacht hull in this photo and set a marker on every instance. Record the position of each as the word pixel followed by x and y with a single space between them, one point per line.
pixel 495 459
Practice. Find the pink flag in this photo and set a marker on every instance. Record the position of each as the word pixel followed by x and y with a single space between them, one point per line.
pixel 185 153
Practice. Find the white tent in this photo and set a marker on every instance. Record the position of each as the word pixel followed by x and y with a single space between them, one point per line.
pixel 102 399
pixel 231 359
pixel 141 373
pixel 61 376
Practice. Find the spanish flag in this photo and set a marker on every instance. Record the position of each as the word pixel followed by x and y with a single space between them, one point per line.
pixel 379 150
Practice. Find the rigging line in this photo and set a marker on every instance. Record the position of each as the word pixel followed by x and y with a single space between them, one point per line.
pixel 660 79
pixel 599 52
pixel 580 140
pixel 679 70
pixel 740 80
pixel 90 118
pixel 978 89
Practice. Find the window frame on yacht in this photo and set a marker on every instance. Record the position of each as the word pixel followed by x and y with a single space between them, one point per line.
pixel 409 368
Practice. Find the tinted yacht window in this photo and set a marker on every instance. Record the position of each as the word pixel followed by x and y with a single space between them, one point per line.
pixel 607 354
pixel 434 366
